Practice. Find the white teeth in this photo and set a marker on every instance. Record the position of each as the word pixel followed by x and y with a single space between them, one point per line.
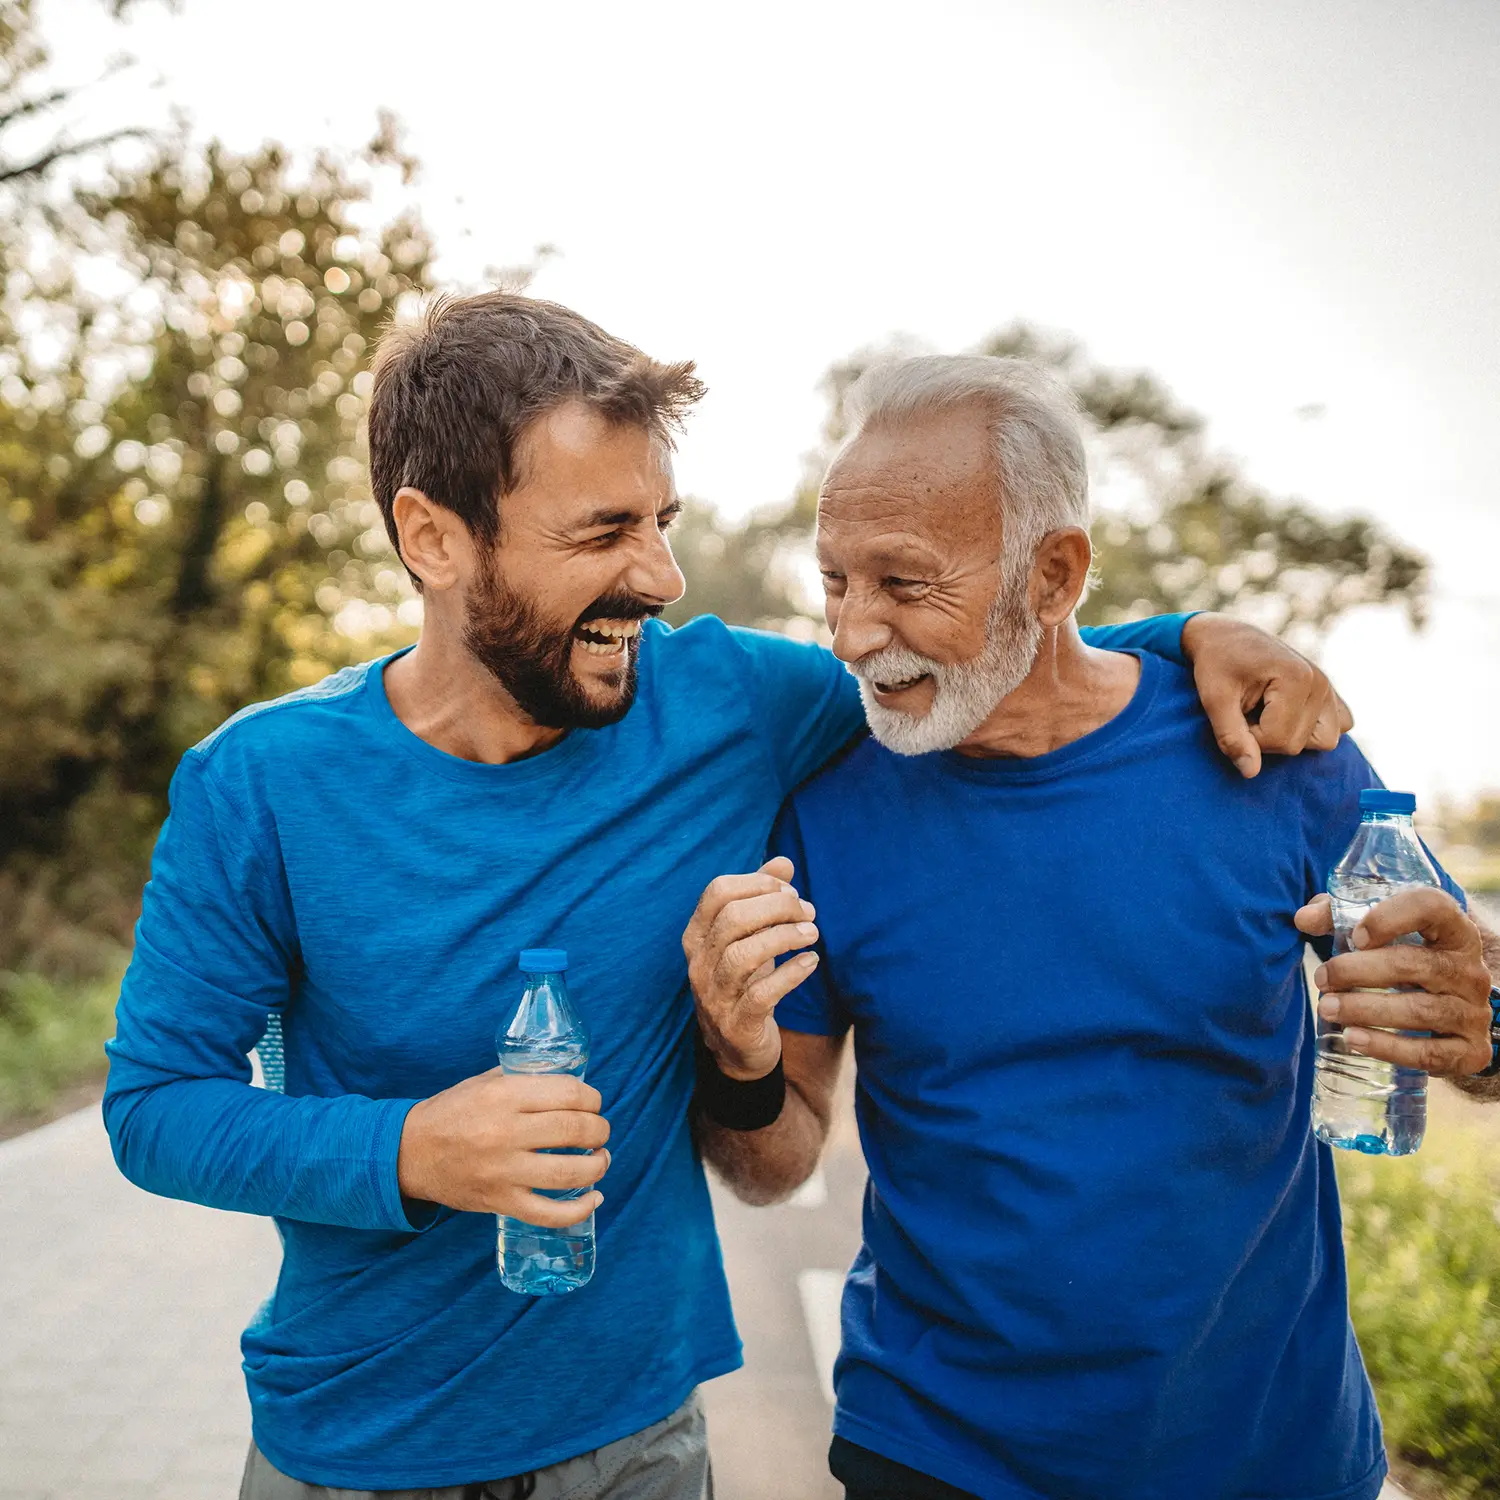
pixel 612 629
pixel 598 648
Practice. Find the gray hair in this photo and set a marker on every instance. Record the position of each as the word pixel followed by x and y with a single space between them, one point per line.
pixel 1040 467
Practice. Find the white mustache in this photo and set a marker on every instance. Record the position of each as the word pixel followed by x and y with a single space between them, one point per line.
pixel 894 664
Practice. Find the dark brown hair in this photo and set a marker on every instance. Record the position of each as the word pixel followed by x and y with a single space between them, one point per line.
pixel 455 393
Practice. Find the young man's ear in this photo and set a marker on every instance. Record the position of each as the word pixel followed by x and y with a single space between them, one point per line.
pixel 434 542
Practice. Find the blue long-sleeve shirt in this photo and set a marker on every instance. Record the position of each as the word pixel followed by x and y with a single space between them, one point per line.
pixel 323 863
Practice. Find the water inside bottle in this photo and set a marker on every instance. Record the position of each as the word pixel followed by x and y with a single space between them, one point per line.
pixel 535 1259
pixel 1361 1103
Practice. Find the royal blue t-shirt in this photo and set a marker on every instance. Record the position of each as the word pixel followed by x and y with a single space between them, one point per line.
pixel 1101 1253
pixel 323 862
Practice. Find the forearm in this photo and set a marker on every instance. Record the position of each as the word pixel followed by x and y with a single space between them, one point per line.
pixel 1486 1089
pixel 225 1144
pixel 766 1165
pixel 1161 635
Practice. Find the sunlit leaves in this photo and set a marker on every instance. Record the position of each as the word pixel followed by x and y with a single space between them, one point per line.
pixel 184 516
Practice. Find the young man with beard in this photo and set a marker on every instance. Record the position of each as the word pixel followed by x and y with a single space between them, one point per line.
pixel 365 859
pixel 1101 1250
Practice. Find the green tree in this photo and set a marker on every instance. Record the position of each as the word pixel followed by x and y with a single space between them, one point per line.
pixel 184 521
pixel 1196 531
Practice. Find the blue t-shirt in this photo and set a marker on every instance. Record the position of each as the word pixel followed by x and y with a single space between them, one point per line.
pixel 1101 1252
pixel 323 862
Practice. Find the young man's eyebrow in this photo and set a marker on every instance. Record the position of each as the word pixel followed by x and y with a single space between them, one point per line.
pixel 605 518
pixel 617 517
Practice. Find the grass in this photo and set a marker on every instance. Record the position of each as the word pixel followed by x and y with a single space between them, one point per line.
pixel 1423 1247
pixel 52 1039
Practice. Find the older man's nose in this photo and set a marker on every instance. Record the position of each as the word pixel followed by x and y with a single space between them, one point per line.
pixel 858 631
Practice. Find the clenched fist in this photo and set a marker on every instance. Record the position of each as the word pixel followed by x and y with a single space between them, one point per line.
pixel 742 925
pixel 481 1146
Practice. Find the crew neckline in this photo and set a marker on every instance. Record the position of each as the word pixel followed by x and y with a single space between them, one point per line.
pixel 1031 768
pixel 574 745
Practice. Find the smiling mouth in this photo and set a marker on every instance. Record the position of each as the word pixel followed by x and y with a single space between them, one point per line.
pixel 607 637
pixel 889 689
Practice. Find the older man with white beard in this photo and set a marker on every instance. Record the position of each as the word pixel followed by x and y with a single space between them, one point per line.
pixel 1101 1252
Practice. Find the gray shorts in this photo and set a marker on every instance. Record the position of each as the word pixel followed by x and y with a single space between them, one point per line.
pixel 666 1461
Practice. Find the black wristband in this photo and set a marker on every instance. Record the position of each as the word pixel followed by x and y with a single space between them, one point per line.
pixel 1494 1068
pixel 738 1104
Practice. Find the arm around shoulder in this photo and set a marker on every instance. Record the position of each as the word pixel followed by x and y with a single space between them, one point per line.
pixel 805 705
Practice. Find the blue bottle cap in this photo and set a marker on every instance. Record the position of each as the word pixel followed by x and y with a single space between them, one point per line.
pixel 543 960
pixel 1377 799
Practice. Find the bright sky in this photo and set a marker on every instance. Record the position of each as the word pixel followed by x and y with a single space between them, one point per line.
pixel 1274 204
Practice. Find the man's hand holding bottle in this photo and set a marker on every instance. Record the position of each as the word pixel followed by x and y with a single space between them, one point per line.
pixel 482 1146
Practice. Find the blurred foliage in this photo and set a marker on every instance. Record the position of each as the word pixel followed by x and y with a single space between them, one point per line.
pixel 1181 527
pixel 1476 822
pixel 184 521
pixel 746 573
pixel 30 142
pixel 1470 841
pixel 1178 526
pixel 1424 1294
pixel 51 1037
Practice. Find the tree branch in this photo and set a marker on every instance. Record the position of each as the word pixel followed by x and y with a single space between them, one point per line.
pixel 10 113
pixel 18 172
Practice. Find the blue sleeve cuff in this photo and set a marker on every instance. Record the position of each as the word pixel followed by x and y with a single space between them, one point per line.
pixel 398 1212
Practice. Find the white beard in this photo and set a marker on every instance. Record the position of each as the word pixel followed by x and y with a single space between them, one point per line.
pixel 964 694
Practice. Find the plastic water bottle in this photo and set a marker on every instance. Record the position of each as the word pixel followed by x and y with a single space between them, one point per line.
pixel 1360 1103
pixel 545 1036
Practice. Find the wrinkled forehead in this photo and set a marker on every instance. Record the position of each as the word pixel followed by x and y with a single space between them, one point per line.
pixel 929 477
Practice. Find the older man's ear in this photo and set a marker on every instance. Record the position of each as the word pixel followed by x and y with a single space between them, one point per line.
pixel 1059 574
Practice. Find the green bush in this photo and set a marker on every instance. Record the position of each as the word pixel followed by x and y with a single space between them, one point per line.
pixel 51 1037
pixel 1424 1269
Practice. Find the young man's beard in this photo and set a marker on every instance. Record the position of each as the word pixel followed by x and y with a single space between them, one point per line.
pixel 533 662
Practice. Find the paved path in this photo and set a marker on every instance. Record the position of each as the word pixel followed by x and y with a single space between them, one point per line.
pixel 119 1368
pixel 119 1371
pixel 769 1422
pixel 119 1365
